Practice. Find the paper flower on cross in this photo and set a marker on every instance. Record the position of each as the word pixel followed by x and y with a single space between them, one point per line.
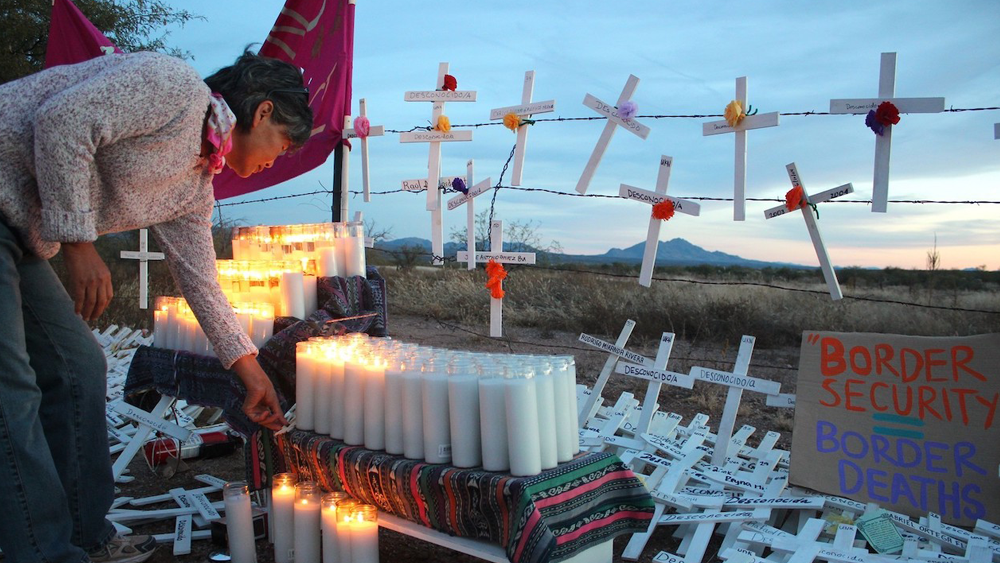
pixel 361 126
pixel 443 124
pixel 628 109
pixel 884 115
pixel 734 113
pixel 793 199
pixel 512 121
pixel 459 185
pixel 449 83
pixel 496 275
pixel 872 123
pixel 663 210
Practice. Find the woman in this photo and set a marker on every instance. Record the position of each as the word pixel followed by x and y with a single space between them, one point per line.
pixel 113 144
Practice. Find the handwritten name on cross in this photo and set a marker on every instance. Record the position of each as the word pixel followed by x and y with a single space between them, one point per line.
pixel 149 422
pixel 475 190
pixel 883 143
pixel 749 122
pixel 497 254
pixel 614 121
pixel 435 138
pixel 824 259
pixel 653 198
pixel 143 256
pixel 614 351
pixel 526 109
pixel 350 133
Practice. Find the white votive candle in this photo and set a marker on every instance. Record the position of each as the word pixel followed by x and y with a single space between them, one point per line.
pixel 305 386
pixel 345 515
pixel 331 548
pixel 327 264
pixel 282 515
pixel 307 527
pixel 293 300
pixel 567 436
pixel 413 414
pixel 239 523
pixel 493 423
pixel 336 363
pixel 394 408
pixel 375 404
pixel 354 403
pixel 463 410
pixel 522 426
pixel 310 298
pixel 545 392
pixel 262 326
pixel 437 426
pixel 323 392
pixel 364 535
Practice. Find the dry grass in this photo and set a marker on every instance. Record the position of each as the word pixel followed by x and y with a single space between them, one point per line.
pixel 582 302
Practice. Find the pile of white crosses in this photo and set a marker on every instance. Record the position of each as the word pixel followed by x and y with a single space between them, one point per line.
pixel 707 484
pixel 130 428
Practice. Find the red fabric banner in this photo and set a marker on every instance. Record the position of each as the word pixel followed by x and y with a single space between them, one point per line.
pixel 72 38
pixel 318 37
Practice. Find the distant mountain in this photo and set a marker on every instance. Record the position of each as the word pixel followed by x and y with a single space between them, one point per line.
pixel 675 252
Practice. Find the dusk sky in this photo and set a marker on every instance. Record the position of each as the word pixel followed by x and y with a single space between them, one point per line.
pixel 687 54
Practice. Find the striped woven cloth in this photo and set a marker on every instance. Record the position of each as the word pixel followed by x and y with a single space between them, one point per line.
pixel 547 517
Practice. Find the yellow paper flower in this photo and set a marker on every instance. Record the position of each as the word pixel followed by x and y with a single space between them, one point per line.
pixel 511 121
pixel 443 124
pixel 734 113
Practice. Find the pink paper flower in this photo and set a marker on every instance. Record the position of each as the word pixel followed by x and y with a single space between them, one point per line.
pixel 362 126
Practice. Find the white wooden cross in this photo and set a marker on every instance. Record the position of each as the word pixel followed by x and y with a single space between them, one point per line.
pixel 467 200
pixel 497 254
pixel 611 113
pixel 653 198
pixel 656 377
pixel 149 422
pixel 748 122
pixel 526 109
pixel 614 351
pixel 737 382
pixel 143 256
pixel 883 143
pixel 824 258
pixel 350 133
pixel 435 138
pixel 437 218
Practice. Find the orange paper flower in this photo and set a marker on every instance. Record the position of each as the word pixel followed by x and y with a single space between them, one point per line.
pixel 512 121
pixel 734 113
pixel 794 199
pixel 496 274
pixel 663 210
pixel 443 124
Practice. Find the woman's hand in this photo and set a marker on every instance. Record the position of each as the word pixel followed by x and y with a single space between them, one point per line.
pixel 89 278
pixel 261 404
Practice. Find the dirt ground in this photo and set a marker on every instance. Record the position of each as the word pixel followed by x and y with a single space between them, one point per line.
pixel 777 365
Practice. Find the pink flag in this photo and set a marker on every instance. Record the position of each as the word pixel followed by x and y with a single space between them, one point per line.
pixel 318 37
pixel 72 38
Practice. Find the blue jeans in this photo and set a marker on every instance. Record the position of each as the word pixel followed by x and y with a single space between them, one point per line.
pixel 56 485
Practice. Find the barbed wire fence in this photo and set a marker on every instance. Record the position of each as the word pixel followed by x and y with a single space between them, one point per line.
pixel 500 186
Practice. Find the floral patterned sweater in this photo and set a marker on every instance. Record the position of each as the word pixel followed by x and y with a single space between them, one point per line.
pixel 111 145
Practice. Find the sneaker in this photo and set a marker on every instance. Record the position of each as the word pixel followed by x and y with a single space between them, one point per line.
pixel 125 549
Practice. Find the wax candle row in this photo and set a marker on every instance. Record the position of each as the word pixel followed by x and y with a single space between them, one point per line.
pixel 327 249
pixel 503 412
pixel 330 528
pixel 289 290
pixel 176 328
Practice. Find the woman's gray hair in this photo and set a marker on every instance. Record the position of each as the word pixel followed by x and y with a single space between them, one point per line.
pixel 253 79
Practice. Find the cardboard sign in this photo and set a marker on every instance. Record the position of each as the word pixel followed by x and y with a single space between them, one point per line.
pixel 908 422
